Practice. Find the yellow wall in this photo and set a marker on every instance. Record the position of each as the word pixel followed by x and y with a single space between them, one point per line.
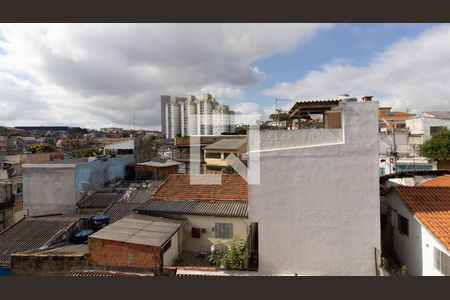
pixel 207 239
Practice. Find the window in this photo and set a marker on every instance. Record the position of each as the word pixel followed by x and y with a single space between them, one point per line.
pixel 213 155
pixel 434 129
pixel 403 225
pixel 223 230
pixel 167 245
pixel 441 261
pixel 195 233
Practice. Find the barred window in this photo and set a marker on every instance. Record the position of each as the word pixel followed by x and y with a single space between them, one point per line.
pixel 441 261
pixel 224 230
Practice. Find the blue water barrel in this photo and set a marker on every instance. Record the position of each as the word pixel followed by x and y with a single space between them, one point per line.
pixel 81 235
pixel 5 272
pixel 100 221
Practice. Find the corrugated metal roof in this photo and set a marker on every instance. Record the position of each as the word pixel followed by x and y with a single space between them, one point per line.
pixel 437 114
pixel 131 200
pixel 202 208
pixel 140 229
pixel 65 250
pixel 100 199
pixel 31 233
pixel 227 144
pixel 167 163
pixel 104 273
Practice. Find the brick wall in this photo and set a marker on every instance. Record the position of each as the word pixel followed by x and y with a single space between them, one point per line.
pixel 35 265
pixel 109 253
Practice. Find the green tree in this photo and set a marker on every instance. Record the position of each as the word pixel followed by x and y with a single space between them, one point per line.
pixel 85 152
pixel 438 147
pixel 282 117
pixel 231 256
pixel 39 148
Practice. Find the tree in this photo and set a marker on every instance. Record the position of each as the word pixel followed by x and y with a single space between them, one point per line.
pixel 282 116
pixel 38 148
pixel 438 147
pixel 231 256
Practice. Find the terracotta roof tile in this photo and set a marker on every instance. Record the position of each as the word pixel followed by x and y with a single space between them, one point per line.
pixel 431 205
pixel 443 181
pixel 178 187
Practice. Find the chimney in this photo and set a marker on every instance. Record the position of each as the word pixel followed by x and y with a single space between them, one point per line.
pixel 367 98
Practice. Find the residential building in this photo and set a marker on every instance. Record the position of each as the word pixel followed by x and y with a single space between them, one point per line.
pixel 216 153
pixel 139 147
pixel 416 228
pixel 57 186
pixel 214 213
pixel 316 209
pixel 427 124
pixel 158 169
pixel 392 120
pixel 190 116
pixel 184 145
pixel 137 241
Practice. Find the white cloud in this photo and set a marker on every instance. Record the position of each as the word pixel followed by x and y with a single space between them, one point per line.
pixel 411 73
pixel 97 74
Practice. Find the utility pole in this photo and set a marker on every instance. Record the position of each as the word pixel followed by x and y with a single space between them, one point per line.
pixel 395 148
pixel 279 110
pixel 134 121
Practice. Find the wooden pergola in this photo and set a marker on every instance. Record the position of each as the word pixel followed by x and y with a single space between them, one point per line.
pixel 303 109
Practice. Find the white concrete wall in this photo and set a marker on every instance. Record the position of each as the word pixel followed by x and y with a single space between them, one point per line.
pixel 407 249
pixel 55 188
pixel 171 254
pixel 49 190
pixel 317 204
pixel 429 242
pixel 207 239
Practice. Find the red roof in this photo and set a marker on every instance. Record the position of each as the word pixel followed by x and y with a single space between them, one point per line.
pixel 438 181
pixel 431 205
pixel 394 116
pixel 179 187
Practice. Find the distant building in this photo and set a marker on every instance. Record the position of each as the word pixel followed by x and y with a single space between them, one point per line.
pixel 216 154
pixel 156 169
pixel 191 116
pixel 427 124
pixel 416 228
pixel 182 148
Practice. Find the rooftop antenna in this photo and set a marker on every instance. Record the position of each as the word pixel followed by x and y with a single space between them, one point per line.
pixel 134 121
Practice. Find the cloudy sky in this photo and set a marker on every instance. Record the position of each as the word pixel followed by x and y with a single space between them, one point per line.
pixel 99 75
